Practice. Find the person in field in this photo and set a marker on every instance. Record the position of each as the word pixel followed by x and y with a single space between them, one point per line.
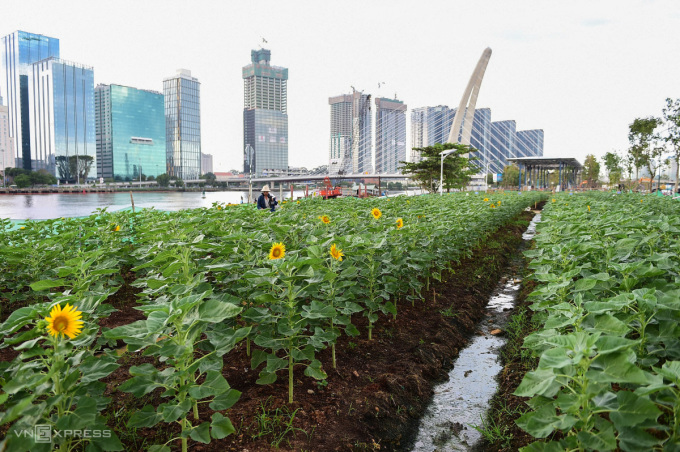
pixel 266 201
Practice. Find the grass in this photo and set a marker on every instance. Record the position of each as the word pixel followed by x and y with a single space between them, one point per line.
pixel 276 423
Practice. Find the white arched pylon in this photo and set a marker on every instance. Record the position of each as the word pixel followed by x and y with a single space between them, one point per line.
pixel 468 102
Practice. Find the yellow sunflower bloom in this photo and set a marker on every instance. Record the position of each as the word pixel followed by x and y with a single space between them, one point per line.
pixel 23 227
pixel 553 199
pixel 588 208
pixel 492 206
pixel 486 199
pixel 325 218
pixel 65 322
pixel 116 228
pixel 376 213
pixel 499 203
pixel 298 202
pixel 336 252
pixel 400 223
pixel 278 251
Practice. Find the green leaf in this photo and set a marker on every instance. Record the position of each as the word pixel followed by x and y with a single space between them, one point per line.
pixel 213 385
pixel 611 344
pixel 215 311
pixel 225 400
pixel 266 378
pixel 584 284
pixel 597 441
pixel 201 433
pixel 171 413
pixel 221 426
pixel 146 417
pixel 616 367
pixel 633 410
pixel 315 371
pixel 540 381
pixel 159 448
pixel 47 284
pixel 94 369
pixel 156 320
pixel 539 424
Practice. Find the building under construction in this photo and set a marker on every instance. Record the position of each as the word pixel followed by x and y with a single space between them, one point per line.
pixel 350 148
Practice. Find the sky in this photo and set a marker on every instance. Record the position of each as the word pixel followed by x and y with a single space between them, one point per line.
pixel 581 70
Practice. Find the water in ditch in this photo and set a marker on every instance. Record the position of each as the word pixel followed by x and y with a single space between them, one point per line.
pixel 461 402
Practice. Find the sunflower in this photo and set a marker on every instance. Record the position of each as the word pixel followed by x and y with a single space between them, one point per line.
pixel 553 199
pixel 116 228
pixel 23 227
pixel 376 213
pixel 492 206
pixel 66 322
pixel 336 252
pixel 486 199
pixel 219 207
pixel 298 202
pixel 588 208
pixel 499 203
pixel 325 219
pixel 400 223
pixel 278 251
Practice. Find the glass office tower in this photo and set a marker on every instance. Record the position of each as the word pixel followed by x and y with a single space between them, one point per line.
pixel 390 135
pixel 19 51
pixel 130 128
pixel 265 116
pixel 529 143
pixel 62 140
pixel 183 125
pixel 503 134
pixel 429 126
pixel 351 137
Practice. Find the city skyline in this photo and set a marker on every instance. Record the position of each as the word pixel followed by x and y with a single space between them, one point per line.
pixel 567 69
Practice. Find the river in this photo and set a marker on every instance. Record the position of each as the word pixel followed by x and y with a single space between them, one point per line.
pixel 57 205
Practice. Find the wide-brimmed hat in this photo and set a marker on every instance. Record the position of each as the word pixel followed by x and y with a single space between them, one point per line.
pixel 265 189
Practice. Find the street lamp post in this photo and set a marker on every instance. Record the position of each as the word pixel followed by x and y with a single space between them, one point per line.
pixel 4 178
pixel 441 178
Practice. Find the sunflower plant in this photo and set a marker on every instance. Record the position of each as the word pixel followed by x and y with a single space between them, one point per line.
pixel 289 330
pixel 55 380
pixel 174 332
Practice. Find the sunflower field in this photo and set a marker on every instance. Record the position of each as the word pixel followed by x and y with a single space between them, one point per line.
pixel 608 299
pixel 282 285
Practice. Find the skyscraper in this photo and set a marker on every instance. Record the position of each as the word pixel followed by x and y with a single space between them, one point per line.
pixel 265 115
pixel 390 135
pixel 61 117
pixel 529 143
pixel 19 51
pixel 206 163
pixel 429 126
pixel 6 142
pixel 130 128
pixel 350 148
pixel 503 134
pixel 183 125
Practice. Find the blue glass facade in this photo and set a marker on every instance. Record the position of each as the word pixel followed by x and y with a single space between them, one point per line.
pixel 429 126
pixel 19 51
pixel 130 127
pixel 62 119
pixel 390 135
pixel 183 125
pixel 529 143
pixel 502 141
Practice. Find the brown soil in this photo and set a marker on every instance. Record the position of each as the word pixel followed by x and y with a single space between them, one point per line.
pixel 381 388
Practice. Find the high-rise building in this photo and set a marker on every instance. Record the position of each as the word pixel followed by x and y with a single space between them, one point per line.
pixel 183 125
pixel 6 142
pixel 390 135
pixel 206 163
pixel 503 135
pixel 18 53
pixel 265 115
pixel 130 128
pixel 62 125
pixel 350 148
pixel 529 143
pixel 429 126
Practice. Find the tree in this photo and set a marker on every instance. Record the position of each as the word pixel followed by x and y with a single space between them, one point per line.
pixel 591 170
pixel 42 177
pixel 671 116
pixel 151 178
pixel 74 168
pixel 612 162
pixel 510 176
pixel 210 178
pixel 644 145
pixel 22 181
pixel 179 182
pixel 163 180
pixel 427 172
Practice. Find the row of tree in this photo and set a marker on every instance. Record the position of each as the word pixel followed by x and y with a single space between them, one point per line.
pixel 651 139
pixel 24 178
